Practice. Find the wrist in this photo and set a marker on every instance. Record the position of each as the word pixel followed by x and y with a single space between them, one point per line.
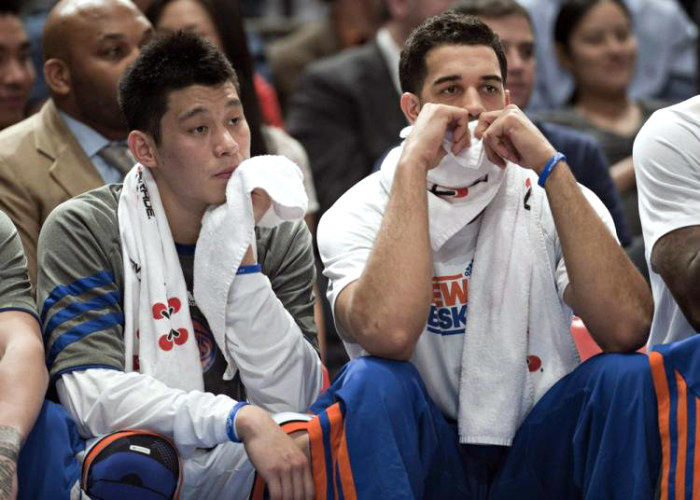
pixel 248 421
pixel 248 258
pixel 232 422
pixel 549 166
pixel 543 158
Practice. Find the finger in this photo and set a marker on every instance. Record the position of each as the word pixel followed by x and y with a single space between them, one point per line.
pixel 309 488
pixel 503 148
pixel 485 121
pixel 274 487
pixel 491 154
pixel 298 483
pixel 287 482
pixel 460 133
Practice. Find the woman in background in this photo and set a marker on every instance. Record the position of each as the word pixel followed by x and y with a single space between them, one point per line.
pixel 595 41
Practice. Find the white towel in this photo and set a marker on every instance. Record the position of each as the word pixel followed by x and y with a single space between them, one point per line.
pixel 447 217
pixel 158 336
pixel 228 230
pixel 514 312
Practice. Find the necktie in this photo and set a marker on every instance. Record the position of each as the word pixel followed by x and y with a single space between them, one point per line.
pixel 117 155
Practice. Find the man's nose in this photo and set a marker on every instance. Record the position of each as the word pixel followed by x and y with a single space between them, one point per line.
pixel 15 72
pixel 226 144
pixel 472 103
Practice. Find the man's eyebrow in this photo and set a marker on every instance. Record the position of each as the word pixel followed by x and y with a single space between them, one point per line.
pixel 109 37
pixel 201 110
pixel 448 78
pixel 492 78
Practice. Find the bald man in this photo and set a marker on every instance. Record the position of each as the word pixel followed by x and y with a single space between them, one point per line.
pixel 76 142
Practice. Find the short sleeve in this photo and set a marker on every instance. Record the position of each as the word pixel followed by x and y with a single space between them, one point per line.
pixel 346 235
pixel 80 286
pixel 15 289
pixel 666 159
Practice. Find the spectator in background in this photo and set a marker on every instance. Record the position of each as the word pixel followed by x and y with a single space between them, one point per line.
pixel 596 43
pixel 335 108
pixel 512 23
pixel 667 66
pixel 349 23
pixel 16 71
pixel 76 142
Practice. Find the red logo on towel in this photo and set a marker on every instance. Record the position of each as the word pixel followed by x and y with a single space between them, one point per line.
pixel 160 310
pixel 177 337
pixel 534 363
pixel 173 337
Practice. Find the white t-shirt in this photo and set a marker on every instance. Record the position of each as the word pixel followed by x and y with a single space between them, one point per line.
pixel 667 167
pixel 346 235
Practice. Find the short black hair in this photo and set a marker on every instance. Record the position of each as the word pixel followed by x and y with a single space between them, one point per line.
pixel 492 9
pixel 570 15
pixel 448 28
pixel 10 8
pixel 167 64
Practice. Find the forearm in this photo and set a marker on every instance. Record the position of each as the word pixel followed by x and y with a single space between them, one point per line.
pixel 263 338
pixel 23 380
pixel 104 401
pixel 622 174
pixel 676 258
pixel 605 289
pixel 389 304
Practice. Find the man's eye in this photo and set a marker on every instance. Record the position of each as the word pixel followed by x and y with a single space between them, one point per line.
pixel 490 89
pixel 114 53
pixel 199 130
pixel 527 52
pixel 451 90
pixel 234 121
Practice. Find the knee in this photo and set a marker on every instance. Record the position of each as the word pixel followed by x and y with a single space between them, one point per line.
pixel 385 379
pixel 612 373
pixel 132 463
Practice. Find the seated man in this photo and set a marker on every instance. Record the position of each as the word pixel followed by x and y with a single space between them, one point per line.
pixel 667 166
pixel 189 135
pixel 23 376
pixel 473 280
pixel 104 311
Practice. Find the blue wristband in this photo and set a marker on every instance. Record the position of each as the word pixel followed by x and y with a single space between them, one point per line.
pixel 253 268
pixel 553 162
pixel 231 422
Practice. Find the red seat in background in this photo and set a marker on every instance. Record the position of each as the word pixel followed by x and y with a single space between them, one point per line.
pixel 584 342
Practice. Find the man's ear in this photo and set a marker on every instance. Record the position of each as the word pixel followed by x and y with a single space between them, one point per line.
pixel 410 105
pixel 57 76
pixel 506 94
pixel 143 147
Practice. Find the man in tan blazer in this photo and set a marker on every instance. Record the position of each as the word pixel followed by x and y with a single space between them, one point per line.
pixel 73 144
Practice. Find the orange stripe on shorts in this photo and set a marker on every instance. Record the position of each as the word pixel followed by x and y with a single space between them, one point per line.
pixel 682 426
pixel 663 401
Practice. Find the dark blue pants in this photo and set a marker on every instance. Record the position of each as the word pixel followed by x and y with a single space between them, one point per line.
pixel 593 435
pixel 47 467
